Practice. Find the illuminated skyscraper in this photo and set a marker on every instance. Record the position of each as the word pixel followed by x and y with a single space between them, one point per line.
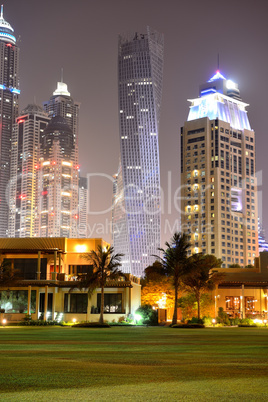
pixel 219 194
pixel 9 91
pixel 26 135
pixel 62 104
pixel 63 212
pixel 82 229
pixel 136 200
pixel 58 181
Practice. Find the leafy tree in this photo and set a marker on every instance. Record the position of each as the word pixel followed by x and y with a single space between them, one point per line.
pixel 105 268
pixel 157 288
pixel 200 277
pixel 188 305
pixel 249 266
pixel 174 264
pixel 234 266
pixel 153 272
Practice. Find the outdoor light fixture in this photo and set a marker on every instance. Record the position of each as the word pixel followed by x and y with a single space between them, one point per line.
pixel 80 248
pixel 213 322
pixel 137 317
pixel 74 320
pixel 4 322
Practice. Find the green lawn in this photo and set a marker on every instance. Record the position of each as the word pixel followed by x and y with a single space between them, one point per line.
pixel 133 363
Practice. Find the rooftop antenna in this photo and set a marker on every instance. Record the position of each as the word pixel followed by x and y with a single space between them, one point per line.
pixel 34 100
pixel 2 11
pixel 218 61
pixel 61 74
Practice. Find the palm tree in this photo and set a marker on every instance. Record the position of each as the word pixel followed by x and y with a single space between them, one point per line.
pixel 174 264
pixel 105 267
pixel 200 276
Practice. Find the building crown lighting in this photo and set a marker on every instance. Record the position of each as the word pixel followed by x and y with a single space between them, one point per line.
pixel 6 30
pixel 62 89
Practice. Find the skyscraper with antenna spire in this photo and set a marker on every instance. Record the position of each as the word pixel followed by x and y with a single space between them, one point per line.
pixel 219 209
pixel 9 94
pixel 64 218
pixel 62 104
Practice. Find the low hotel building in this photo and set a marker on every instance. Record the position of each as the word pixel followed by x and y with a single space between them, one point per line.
pixel 49 272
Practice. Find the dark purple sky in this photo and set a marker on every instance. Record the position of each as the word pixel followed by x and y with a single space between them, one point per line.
pixel 81 36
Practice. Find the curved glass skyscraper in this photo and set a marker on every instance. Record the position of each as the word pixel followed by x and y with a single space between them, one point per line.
pixel 136 192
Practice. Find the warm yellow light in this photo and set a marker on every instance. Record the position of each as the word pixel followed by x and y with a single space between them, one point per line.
pixel 81 248
pixel 163 301
pixel 64 163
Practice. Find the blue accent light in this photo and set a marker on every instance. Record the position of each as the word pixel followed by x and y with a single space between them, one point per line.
pixel 208 91
pixel 8 36
pixel 217 76
pixel 15 90
pixel 11 89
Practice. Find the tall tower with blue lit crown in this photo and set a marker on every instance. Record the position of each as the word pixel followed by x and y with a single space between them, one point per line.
pixel 9 92
pixel 219 186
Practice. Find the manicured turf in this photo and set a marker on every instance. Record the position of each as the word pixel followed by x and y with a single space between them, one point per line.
pixel 121 363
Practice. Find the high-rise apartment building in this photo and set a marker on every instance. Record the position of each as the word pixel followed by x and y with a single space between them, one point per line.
pixel 62 104
pixel 58 181
pixel 219 186
pixel 136 200
pixel 82 228
pixel 27 132
pixel 9 92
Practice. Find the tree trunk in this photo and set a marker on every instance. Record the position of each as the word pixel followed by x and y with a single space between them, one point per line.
pixel 175 315
pixel 102 305
pixel 198 305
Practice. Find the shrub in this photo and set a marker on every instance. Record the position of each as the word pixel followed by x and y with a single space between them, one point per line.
pixel 187 326
pixel 38 323
pixel 223 317
pixel 121 324
pixel 195 320
pixel 91 325
pixel 149 316
pixel 234 321
pixel 28 317
pixel 207 321
pixel 247 322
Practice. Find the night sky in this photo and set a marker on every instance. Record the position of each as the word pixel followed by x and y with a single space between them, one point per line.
pixel 82 37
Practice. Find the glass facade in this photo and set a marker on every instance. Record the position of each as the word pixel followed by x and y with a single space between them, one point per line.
pixel 136 192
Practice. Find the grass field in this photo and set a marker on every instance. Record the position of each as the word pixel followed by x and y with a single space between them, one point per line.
pixel 133 363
